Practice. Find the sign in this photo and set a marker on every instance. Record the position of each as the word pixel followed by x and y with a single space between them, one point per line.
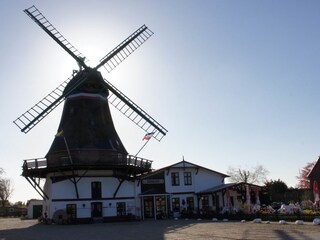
pixel 153 181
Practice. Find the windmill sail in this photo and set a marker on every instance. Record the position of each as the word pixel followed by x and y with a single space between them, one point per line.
pixel 134 112
pixel 40 110
pixel 125 48
pixel 35 114
pixel 41 20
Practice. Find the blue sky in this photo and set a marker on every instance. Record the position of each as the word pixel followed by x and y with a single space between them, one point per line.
pixel 235 82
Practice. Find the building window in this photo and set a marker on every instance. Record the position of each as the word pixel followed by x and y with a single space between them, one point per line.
pixel 121 209
pixel 176 204
pixel 190 204
pixel 175 179
pixel 187 178
pixel 205 204
pixel 96 189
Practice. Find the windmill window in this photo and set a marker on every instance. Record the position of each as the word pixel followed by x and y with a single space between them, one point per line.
pixel 71 111
pixel 96 190
pixel 175 179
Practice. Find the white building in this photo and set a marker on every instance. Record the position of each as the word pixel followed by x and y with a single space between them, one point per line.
pixel 181 188
pixel 173 190
pixel 87 195
pixel 35 208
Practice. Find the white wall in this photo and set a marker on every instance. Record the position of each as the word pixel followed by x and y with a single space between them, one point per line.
pixel 30 207
pixel 202 179
pixel 65 191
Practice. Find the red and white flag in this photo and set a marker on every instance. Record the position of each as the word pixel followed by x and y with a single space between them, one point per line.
pixel 148 136
pixel 229 203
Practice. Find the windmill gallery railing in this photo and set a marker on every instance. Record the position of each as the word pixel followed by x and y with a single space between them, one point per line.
pixel 114 160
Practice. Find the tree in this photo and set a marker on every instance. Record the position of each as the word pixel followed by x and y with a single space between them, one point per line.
pixel 275 190
pixel 303 181
pixel 276 186
pixel 19 204
pixel 256 175
pixel 6 188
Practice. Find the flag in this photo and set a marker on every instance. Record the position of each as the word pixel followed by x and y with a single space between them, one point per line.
pixel 148 136
pixel 59 134
pixel 248 198
pixel 229 203
pixel 315 192
pixel 256 192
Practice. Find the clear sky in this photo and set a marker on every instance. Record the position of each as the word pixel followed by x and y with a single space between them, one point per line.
pixel 236 83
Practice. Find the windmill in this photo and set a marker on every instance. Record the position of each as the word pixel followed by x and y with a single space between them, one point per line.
pixel 87 143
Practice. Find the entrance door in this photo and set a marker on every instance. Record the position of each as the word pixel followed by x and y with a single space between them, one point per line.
pixel 96 210
pixel 148 207
pixel 161 207
pixel 72 212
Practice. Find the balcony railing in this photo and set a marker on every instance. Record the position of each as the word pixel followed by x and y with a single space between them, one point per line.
pixel 114 161
pixel 37 163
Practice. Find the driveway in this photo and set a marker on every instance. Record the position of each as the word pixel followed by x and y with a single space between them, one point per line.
pixel 16 229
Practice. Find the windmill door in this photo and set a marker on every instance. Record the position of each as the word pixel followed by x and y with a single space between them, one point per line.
pixel 72 212
pixel 96 210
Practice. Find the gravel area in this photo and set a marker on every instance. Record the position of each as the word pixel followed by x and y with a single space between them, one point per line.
pixel 16 229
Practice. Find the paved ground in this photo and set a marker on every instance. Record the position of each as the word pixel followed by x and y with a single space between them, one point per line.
pixel 15 229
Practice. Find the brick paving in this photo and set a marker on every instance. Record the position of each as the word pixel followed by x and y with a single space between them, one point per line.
pixel 16 229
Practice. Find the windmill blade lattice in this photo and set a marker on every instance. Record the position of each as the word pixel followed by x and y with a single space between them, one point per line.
pixel 125 48
pixel 41 20
pixel 40 110
pixel 135 113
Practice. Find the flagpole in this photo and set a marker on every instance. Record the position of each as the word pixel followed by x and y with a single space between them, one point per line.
pixel 142 148
pixel 147 137
pixel 72 167
pixel 65 141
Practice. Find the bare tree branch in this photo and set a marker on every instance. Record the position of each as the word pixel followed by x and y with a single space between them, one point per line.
pixel 6 188
pixel 256 175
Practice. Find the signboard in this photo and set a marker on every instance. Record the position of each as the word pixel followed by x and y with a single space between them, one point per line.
pixel 153 181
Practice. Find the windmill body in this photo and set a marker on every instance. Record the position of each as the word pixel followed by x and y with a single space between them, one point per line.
pixel 87 131
pixel 87 173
